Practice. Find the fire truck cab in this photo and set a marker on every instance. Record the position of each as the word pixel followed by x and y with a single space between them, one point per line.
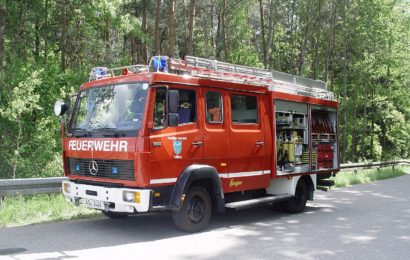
pixel 195 136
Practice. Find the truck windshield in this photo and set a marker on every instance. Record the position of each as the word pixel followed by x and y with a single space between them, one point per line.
pixel 109 110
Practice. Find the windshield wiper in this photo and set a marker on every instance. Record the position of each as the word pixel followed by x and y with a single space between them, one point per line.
pixel 80 132
pixel 117 133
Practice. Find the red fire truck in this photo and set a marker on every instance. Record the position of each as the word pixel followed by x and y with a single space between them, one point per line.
pixel 194 136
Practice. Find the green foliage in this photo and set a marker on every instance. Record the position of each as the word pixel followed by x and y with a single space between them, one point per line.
pixel 360 48
pixel 24 210
pixel 351 178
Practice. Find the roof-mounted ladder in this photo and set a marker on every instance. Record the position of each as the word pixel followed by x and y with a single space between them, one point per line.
pixel 276 81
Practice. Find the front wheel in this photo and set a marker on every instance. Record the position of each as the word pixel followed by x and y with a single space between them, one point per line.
pixel 195 212
pixel 298 203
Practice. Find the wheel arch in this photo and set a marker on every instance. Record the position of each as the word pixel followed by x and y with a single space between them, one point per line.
pixel 201 175
pixel 310 180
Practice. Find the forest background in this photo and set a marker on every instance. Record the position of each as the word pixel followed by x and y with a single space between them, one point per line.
pixel 361 48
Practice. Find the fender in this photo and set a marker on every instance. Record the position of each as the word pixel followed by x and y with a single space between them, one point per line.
pixel 193 173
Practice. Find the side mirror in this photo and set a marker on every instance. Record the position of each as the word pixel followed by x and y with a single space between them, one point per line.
pixel 60 108
pixel 173 103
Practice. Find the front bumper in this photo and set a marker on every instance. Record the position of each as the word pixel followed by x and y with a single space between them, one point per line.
pixel 112 198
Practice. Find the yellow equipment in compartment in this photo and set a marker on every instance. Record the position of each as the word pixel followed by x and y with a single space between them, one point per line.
pixel 290 146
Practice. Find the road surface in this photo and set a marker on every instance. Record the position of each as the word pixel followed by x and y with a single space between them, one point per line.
pixel 369 221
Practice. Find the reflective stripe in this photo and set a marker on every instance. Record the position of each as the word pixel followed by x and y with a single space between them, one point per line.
pixel 221 175
pixel 243 174
pixel 158 181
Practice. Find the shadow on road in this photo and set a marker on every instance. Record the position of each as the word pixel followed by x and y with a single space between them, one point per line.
pixel 354 219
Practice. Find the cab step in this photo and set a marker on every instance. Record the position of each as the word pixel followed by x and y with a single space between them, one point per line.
pixel 254 202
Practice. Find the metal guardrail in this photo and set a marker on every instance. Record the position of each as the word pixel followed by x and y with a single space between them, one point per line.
pixel 31 186
pixel 370 165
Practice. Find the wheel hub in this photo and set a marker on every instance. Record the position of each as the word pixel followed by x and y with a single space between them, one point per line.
pixel 196 209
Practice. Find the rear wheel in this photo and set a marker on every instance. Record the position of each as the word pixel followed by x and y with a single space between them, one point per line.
pixel 114 215
pixel 195 212
pixel 298 203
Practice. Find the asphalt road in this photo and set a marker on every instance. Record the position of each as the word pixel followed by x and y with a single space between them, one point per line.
pixel 370 221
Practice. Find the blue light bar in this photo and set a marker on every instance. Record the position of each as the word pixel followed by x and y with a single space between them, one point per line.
pixel 98 73
pixel 77 167
pixel 159 63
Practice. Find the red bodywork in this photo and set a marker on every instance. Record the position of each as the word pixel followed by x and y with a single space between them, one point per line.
pixel 228 147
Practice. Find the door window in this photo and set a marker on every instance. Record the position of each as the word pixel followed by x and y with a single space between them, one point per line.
pixel 187 106
pixel 214 107
pixel 159 108
pixel 244 109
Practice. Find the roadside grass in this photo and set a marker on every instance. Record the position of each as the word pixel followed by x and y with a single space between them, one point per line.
pixel 25 210
pixel 364 176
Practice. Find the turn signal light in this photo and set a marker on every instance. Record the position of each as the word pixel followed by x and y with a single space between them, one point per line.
pixel 66 187
pixel 130 196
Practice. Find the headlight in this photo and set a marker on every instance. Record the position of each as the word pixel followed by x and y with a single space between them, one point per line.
pixel 66 187
pixel 130 196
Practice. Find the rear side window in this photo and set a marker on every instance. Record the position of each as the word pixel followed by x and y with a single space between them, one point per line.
pixel 244 109
pixel 214 107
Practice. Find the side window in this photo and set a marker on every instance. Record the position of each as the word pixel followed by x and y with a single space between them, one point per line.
pixel 244 109
pixel 159 108
pixel 214 107
pixel 187 106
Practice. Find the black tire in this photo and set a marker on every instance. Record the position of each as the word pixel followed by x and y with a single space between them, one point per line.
pixel 114 215
pixel 298 203
pixel 195 212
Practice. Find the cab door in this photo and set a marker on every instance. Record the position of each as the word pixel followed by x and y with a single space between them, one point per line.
pixel 174 148
pixel 246 146
pixel 215 131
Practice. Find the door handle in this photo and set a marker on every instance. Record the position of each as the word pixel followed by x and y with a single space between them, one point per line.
pixel 260 143
pixel 197 143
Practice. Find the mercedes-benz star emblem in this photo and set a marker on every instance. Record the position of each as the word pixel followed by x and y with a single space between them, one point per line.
pixel 93 168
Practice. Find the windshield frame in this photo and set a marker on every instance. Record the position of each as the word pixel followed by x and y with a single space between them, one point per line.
pixel 104 132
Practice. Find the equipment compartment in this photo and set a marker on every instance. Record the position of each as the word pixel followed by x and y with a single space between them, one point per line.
pixel 324 138
pixel 292 138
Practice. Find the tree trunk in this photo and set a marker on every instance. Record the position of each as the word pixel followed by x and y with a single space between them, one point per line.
pixel 331 58
pixel 271 32
pixel 143 55
pixel 16 153
pixel 46 34
pixel 2 28
pixel 353 148
pixel 213 33
pixel 171 28
pixel 224 34
pixel 37 38
pixel 157 20
pixel 344 133
pixel 305 38
pixel 264 49
pixel 107 36
pixel 191 26
pixel 292 36
pixel 63 39
pixel 364 127
pixel 316 41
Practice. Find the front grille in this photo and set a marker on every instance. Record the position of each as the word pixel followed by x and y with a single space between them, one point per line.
pixel 113 169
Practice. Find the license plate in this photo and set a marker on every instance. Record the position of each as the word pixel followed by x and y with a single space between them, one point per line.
pixel 94 204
